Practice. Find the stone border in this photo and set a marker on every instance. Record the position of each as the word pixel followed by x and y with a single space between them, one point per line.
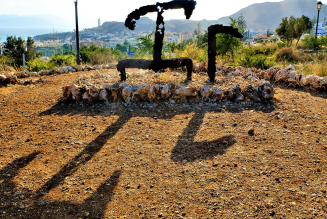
pixel 123 92
pixel 13 78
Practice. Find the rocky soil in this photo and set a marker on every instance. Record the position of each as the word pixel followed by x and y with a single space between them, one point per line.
pixel 142 160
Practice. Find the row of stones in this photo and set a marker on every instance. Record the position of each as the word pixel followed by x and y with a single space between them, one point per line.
pixel 287 75
pixel 122 92
pixel 14 78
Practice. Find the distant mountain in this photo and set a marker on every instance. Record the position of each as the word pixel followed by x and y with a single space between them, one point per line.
pixel 268 15
pixel 32 21
pixel 259 17
pixel 148 25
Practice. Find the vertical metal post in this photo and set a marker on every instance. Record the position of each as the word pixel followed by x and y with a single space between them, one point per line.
pixel 159 37
pixel 212 53
pixel 24 61
pixel 78 59
pixel 317 23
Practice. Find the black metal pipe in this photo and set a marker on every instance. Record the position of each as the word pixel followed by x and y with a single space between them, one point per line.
pixel 78 58
pixel 317 23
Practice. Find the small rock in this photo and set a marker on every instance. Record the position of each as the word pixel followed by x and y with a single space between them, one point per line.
pixel 251 132
pixel 44 202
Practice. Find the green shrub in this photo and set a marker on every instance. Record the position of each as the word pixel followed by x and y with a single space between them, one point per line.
pixel 97 58
pixel 312 42
pixel 258 50
pixel 255 61
pixel 281 45
pixel 38 65
pixel 62 60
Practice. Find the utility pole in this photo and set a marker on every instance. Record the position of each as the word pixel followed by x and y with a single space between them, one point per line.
pixel 78 58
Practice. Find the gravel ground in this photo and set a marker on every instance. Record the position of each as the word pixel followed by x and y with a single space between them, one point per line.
pixel 225 160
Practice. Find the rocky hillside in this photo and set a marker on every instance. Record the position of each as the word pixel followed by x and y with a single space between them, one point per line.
pixel 268 15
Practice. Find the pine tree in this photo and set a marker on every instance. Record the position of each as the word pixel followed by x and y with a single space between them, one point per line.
pixel 241 25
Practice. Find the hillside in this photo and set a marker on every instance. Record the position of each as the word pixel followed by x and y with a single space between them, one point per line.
pixel 259 16
pixel 146 24
pixel 268 15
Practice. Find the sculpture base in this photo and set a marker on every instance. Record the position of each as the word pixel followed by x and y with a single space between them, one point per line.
pixel 155 65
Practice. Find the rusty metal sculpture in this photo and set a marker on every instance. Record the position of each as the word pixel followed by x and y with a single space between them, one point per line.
pixel 212 45
pixel 157 63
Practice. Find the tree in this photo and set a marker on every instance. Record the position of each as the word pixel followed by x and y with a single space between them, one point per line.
pixel 67 49
pixel 198 35
pixel 311 42
pixel 293 28
pixel 241 25
pixel 146 43
pixel 302 25
pixel 171 46
pixel 286 30
pixel 121 48
pixel 16 47
pixel 227 43
pixel 126 43
pixel 31 52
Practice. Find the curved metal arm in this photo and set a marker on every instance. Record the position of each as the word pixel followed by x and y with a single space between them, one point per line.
pixel 187 5
pixel 212 31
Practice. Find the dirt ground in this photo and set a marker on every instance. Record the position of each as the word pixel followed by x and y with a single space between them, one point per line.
pixel 163 160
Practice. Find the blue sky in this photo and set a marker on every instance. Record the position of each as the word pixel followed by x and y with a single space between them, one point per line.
pixel 107 10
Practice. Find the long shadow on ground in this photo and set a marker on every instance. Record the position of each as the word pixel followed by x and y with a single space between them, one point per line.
pixel 185 149
pixel 188 150
pixel 14 206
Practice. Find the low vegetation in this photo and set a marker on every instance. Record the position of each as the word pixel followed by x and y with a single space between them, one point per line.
pixel 308 55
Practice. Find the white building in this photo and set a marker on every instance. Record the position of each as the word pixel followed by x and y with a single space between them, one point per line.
pixel 113 42
pixel 133 41
pixel 321 29
pixel 172 39
pixel 250 34
pixel 1 48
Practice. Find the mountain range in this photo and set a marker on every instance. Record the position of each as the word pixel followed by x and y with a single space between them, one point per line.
pixel 268 15
pixel 259 17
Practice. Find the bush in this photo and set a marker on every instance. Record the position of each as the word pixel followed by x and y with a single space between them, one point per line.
pixel 281 45
pixel 62 60
pixel 258 50
pixel 311 42
pixel 195 53
pixel 97 58
pixel 38 65
pixel 255 61
pixel 287 54
pixel 256 57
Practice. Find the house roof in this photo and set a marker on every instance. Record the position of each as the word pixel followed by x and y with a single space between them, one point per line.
pixel 261 36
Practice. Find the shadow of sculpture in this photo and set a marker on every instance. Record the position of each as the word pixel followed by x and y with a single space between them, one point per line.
pixel 84 156
pixel 188 150
pixel 157 63
pixel 25 204
pixel 95 206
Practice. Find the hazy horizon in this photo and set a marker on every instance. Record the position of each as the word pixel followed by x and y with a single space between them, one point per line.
pixel 103 9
